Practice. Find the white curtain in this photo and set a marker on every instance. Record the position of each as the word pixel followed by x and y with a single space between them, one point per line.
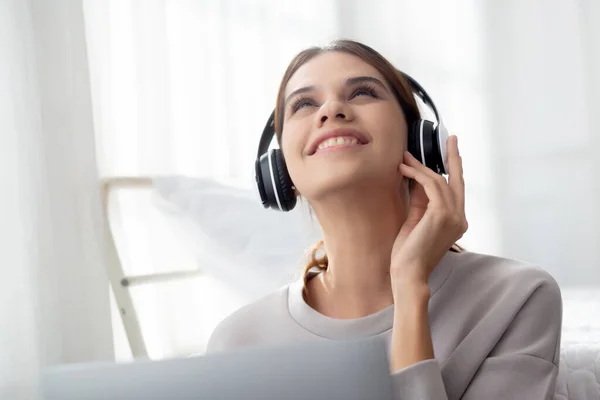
pixel 54 303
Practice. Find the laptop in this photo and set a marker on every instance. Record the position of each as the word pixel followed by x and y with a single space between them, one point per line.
pixel 323 369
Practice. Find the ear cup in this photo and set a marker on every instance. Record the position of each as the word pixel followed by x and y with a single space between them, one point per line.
pixel 442 141
pixel 423 144
pixel 286 190
pixel 435 161
pixel 259 166
pixel 273 182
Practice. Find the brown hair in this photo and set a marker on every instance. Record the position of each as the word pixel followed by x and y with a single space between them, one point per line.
pixel 400 87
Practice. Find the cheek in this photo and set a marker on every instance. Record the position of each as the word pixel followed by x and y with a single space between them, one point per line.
pixel 289 144
pixel 292 151
pixel 388 127
pixel 391 140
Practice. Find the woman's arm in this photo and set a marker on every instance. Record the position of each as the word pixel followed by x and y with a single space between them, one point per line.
pixel 435 220
pixel 411 338
pixel 415 372
pixel 523 365
pixel 524 362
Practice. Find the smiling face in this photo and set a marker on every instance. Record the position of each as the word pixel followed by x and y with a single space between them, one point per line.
pixel 342 126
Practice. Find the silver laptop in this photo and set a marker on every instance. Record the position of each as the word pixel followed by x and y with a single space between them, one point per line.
pixel 324 369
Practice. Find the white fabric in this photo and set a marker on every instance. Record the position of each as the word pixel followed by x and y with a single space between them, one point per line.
pixel 235 239
pixel 54 304
pixel 579 373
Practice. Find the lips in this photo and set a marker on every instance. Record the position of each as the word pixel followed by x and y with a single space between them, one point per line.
pixel 337 133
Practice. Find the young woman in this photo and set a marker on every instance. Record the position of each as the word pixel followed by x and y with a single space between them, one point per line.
pixel 459 325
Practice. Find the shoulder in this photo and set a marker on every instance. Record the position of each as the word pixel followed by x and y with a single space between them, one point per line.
pixel 503 287
pixel 501 274
pixel 246 325
pixel 518 299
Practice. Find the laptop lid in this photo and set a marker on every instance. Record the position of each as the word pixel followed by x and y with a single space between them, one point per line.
pixel 324 369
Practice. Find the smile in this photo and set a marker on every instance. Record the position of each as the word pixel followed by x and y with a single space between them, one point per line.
pixel 336 143
pixel 341 138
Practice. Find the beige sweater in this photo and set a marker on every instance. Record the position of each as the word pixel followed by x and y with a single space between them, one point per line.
pixel 495 325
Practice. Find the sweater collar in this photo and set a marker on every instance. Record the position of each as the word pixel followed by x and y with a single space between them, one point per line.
pixel 370 325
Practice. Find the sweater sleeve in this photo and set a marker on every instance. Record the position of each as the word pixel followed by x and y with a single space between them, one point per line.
pixel 522 365
pixel 420 381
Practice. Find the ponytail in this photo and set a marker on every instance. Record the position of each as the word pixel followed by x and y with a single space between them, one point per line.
pixel 322 262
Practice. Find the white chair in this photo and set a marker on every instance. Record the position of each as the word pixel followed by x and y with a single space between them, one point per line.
pixel 119 281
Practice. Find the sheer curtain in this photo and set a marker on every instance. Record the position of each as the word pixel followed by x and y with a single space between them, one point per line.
pixel 54 302
pixel 184 87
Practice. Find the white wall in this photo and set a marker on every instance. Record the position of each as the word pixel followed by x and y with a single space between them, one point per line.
pixel 517 81
pixel 440 44
pixel 544 143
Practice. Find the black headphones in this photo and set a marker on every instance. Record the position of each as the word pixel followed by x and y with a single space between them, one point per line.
pixel 426 141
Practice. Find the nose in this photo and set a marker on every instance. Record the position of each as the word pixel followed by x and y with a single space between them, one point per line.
pixel 338 115
pixel 334 110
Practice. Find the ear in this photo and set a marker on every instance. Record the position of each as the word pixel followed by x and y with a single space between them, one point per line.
pixel 411 185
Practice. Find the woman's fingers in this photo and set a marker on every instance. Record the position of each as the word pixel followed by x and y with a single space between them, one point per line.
pixel 439 180
pixel 448 197
pixel 431 187
pixel 455 174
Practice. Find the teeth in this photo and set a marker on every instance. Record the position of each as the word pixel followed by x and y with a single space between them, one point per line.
pixel 338 141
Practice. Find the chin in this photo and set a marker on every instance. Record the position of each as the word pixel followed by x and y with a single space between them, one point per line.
pixel 335 181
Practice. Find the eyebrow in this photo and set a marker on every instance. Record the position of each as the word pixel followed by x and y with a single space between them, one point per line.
pixel 349 82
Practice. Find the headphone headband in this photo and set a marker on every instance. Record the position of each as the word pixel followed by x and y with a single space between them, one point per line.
pixel 267 135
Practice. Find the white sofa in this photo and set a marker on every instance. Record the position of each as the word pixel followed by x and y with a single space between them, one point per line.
pixel 579 373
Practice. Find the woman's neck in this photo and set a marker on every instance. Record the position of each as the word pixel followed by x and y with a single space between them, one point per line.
pixel 359 230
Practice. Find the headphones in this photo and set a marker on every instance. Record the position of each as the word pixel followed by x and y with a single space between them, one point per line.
pixel 426 142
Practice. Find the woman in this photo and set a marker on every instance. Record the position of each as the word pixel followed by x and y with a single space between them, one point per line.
pixel 459 325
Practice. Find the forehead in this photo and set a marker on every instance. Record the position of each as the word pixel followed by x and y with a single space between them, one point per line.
pixel 330 68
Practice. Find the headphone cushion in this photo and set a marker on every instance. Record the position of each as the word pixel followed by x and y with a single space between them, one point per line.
pixel 284 180
pixel 260 184
pixel 423 145
pixel 414 140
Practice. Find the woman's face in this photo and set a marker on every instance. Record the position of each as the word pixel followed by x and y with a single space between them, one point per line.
pixel 342 126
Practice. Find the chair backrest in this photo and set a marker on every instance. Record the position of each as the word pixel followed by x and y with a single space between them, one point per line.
pixel 579 373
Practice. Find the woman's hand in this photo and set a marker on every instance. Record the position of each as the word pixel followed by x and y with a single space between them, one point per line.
pixel 435 221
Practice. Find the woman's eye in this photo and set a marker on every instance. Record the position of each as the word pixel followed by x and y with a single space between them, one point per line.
pixel 369 91
pixel 301 103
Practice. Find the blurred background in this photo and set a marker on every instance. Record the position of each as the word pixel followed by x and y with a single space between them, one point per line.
pixel 101 97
